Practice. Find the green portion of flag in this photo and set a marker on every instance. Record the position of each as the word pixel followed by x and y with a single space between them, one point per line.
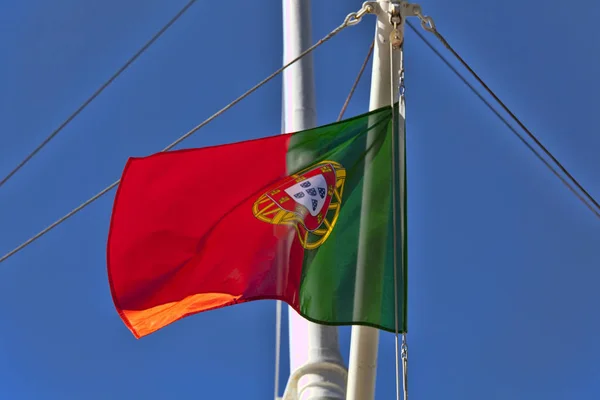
pixel 349 279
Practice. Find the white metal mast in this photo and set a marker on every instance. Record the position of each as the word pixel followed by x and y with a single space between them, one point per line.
pixel 315 360
pixel 364 342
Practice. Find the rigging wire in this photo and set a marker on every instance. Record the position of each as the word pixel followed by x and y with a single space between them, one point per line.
pixel 404 356
pixel 396 42
pixel 356 81
pixel 97 92
pixel 394 205
pixel 596 209
pixel 352 19
pixel 278 305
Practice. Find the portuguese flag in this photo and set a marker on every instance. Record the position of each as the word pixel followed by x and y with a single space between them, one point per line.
pixel 316 219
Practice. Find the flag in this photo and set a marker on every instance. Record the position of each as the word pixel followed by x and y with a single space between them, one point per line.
pixel 315 218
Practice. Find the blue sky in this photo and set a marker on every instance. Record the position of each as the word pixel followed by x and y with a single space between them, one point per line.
pixel 503 260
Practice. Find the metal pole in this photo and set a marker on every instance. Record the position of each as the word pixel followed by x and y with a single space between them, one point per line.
pixel 310 343
pixel 364 343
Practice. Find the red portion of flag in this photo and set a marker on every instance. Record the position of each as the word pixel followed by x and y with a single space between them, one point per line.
pixel 184 239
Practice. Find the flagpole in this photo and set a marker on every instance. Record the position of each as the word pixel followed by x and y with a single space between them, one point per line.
pixel 313 348
pixel 364 342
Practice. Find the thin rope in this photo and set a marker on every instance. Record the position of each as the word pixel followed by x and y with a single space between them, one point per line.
pixel 508 125
pixel 514 117
pixel 395 132
pixel 60 221
pixel 356 81
pixel 405 365
pixel 589 197
pixel 97 92
pixel 277 345
pixel 350 20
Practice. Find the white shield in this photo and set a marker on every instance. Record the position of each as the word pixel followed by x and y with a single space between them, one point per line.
pixel 310 193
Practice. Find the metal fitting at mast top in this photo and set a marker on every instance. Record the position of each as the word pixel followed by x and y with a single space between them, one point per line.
pixel 397 34
pixel 398 11
pixel 355 17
